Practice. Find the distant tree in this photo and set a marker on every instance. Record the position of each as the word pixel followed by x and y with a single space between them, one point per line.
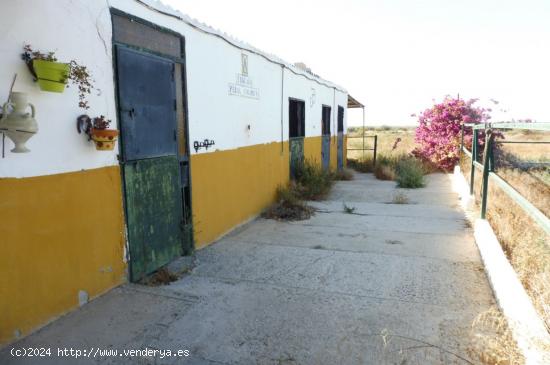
pixel 438 132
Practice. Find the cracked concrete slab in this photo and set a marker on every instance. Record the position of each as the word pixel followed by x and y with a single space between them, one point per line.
pixel 391 284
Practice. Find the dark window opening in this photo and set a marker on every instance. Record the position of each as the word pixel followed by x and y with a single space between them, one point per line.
pixel 340 119
pixel 296 118
pixel 325 121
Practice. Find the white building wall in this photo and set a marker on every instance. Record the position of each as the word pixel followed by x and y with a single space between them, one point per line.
pixel 82 30
pixel 72 29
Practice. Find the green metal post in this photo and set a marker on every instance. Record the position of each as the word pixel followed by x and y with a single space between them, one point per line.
pixel 492 155
pixel 474 156
pixel 374 155
pixel 486 159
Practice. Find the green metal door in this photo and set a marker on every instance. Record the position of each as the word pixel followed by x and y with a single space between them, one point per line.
pixel 325 138
pixel 340 151
pixel 154 213
pixel 296 133
pixel 296 155
pixel 154 179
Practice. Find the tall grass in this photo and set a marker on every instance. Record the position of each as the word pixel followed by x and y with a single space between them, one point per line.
pixel 491 340
pixel 289 205
pixel 343 175
pixel 406 170
pixel 314 182
pixel 525 244
pixel 361 165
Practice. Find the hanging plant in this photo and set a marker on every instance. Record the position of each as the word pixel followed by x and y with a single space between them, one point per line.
pixel 80 77
pixel 98 131
pixel 53 75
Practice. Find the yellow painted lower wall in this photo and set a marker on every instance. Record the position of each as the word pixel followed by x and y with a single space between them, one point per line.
pixel 232 186
pixel 312 149
pixel 229 187
pixel 59 234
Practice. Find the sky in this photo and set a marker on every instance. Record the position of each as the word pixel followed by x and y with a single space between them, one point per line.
pixel 399 56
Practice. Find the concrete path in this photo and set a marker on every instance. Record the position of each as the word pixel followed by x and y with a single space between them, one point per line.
pixel 388 284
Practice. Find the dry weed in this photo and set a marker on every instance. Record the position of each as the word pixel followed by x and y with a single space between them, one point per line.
pixel 384 172
pixel 289 205
pixel 525 244
pixel 400 198
pixel 343 175
pixel 492 342
pixel 161 277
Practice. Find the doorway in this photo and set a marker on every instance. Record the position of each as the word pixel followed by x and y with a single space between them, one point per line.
pixel 155 165
pixel 296 130
pixel 340 152
pixel 325 137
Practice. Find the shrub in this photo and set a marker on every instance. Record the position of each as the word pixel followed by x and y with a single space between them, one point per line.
pixel 361 165
pixel 438 133
pixel 313 180
pixel 384 172
pixel 385 166
pixel 343 175
pixel 410 173
pixel 289 205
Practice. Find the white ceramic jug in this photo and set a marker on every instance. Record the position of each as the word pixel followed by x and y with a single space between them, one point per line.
pixel 17 124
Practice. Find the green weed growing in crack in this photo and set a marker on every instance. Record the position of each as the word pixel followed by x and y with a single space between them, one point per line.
pixel 348 209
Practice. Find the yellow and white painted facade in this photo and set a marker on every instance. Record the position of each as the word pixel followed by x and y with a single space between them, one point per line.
pixel 62 224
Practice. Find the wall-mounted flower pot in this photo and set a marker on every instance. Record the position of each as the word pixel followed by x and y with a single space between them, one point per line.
pixel 52 76
pixel 104 138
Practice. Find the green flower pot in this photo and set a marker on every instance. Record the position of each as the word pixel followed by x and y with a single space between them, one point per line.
pixel 52 76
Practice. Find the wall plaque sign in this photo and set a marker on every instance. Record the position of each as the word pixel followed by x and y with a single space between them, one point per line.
pixel 243 85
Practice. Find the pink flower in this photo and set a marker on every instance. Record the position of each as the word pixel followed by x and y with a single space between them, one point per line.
pixel 439 129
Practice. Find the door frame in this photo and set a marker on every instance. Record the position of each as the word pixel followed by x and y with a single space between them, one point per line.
pixel 323 136
pixel 181 158
pixel 296 100
pixel 340 138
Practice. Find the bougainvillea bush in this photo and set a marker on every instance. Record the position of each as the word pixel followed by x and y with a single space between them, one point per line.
pixel 438 132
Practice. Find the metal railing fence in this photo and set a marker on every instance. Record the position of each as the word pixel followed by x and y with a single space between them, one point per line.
pixel 374 148
pixel 488 165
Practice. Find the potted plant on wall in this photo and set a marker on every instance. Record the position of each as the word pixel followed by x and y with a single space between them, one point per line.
pixel 53 75
pixel 50 74
pixel 98 131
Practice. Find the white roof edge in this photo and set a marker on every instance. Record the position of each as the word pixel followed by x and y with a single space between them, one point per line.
pixel 167 10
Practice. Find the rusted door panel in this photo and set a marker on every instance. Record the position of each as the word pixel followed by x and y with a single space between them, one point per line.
pixel 296 154
pixel 340 152
pixel 147 101
pixel 325 138
pixel 325 151
pixel 154 213
pixel 296 134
